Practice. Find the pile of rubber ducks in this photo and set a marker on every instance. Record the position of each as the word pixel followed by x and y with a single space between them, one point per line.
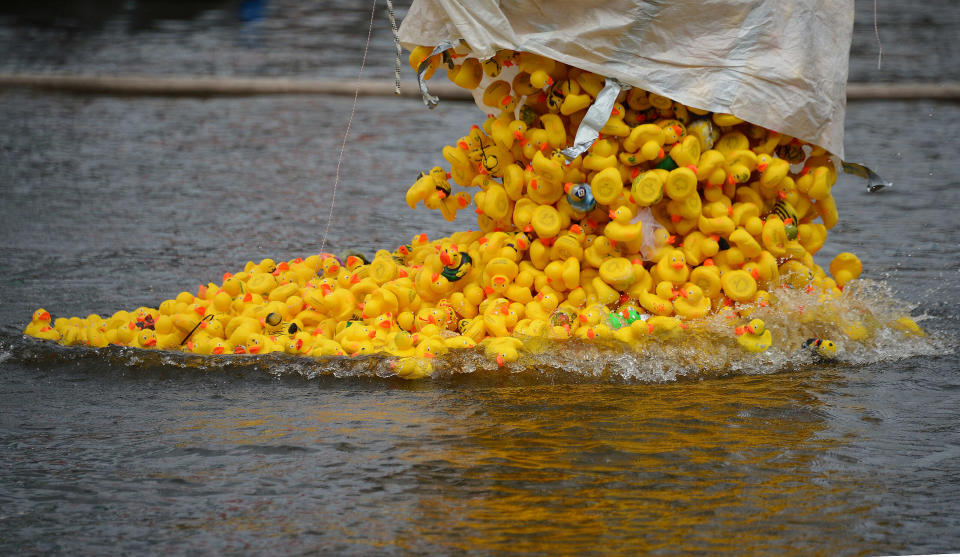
pixel 673 216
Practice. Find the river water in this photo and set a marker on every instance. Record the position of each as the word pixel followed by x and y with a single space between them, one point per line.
pixel 115 202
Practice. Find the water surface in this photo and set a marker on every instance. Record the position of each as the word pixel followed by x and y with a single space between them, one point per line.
pixel 110 203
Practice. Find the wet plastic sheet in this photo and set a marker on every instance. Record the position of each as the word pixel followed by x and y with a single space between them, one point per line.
pixel 781 64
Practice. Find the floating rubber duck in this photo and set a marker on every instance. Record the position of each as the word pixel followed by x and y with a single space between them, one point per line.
pixel 146 338
pixel 40 326
pixel 824 348
pixel 691 302
pixel 412 367
pixel 754 336
pixel 503 349
pixel 661 326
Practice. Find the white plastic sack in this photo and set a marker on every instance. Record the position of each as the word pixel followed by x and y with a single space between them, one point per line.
pixel 781 64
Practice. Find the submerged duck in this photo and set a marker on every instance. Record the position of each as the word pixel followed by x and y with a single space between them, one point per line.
pixel 824 348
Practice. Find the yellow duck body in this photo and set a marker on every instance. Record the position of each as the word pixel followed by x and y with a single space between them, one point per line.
pixel 412 367
pixel 620 229
pixel 672 267
pixel 502 349
pixel 692 303
pixel 845 267
pixel 754 336
pixel 40 326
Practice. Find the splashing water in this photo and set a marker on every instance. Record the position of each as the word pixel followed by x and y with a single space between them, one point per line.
pixel 866 310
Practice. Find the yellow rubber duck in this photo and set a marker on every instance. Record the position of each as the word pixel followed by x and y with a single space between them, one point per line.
pixel 660 326
pixel 845 267
pixel 620 229
pixel 539 67
pixel 672 267
pixel 543 305
pixel 40 326
pixel 412 367
pixel 502 349
pixel 754 336
pixel 824 348
pixel 428 185
pixel 147 339
pixel 772 169
pixel 692 303
pixel 645 143
pixel 597 250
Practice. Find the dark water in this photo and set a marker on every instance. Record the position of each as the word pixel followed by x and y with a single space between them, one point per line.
pixel 288 38
pixel 111 203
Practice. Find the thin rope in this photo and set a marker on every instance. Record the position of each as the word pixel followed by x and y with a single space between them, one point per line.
pixel 353 110
pixel 396 44
pixel 876 31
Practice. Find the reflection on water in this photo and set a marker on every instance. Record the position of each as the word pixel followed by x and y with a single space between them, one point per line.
pixel 731 466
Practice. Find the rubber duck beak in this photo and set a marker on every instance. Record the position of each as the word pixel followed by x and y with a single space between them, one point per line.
pixel 583 318
pixel 150 342
pixel 500 360
pixel 445 258
pixel 255 349
pixel 218 350
pixel 750 329
pixel 677 265
pixel 612 214
pixel 567 186
pixel 762 166
pixel 372 334
pixel 45 316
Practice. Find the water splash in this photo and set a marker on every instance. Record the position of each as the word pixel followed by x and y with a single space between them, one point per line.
pixel 861 322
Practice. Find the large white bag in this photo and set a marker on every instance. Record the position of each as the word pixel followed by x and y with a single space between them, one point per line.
pixel 781 64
